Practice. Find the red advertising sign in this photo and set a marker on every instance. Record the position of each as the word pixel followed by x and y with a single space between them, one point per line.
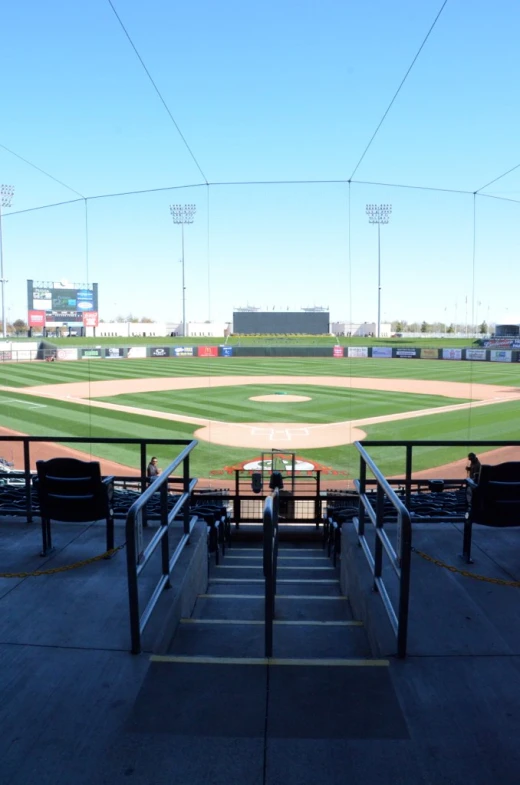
pixel 337 351
pixel 90 319
pixel 207 351
pixel 36 318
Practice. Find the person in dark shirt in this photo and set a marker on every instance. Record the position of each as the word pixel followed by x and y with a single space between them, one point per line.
pixel 153 470
pixel 473 467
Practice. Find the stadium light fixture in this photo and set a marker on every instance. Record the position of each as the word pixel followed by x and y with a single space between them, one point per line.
pixel 378 214
pixel 183 214
pixel 6 199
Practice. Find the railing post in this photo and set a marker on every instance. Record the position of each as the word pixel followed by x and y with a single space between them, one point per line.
pixel 28 484
pixel 165 543
pixel 405 526
pixel 378 546
pixel 408 474
pixel 362 492
pixel 186 489
pixel 317 510
pixel 133 589
pixel 236 500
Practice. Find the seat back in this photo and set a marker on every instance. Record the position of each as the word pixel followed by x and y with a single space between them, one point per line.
pixel 496 499
pixel 71 490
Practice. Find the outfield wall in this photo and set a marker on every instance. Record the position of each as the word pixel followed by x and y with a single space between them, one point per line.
pixel 47 350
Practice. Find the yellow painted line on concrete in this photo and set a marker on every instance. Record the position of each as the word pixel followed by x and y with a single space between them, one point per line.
pixel 285 558
pixel 278 597
pixel 238 551
pixel 281 622
pixel 256 566
pixel 279 580
pixel 324 663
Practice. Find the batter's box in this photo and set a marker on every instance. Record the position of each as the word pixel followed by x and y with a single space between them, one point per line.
pixel 280 435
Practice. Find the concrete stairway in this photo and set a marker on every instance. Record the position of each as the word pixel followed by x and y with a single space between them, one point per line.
pixel 313 620
pixel 321 682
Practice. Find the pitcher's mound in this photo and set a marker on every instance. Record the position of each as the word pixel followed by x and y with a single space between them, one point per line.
pixel 290 436
pixel 281 398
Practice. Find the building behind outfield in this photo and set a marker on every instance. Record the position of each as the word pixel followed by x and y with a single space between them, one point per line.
pixel 249 322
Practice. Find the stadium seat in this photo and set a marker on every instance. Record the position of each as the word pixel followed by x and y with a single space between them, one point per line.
pixel 492 501
pixel 70 490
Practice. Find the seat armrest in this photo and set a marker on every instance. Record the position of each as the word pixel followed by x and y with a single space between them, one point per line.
pixel 108 484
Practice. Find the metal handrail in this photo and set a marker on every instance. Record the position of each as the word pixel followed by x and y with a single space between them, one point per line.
pixel 28 440
pixel 137 556
pixel 270 562
pixel 400 558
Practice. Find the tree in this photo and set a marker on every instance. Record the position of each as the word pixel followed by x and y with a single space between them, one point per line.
pixel 450 329
pixel 20 326
pixel 483 329
pixel 425 327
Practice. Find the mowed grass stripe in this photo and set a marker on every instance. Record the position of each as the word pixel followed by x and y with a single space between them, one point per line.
pixel 26 374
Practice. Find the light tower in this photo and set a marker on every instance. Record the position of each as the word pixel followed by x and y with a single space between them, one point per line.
pixel 183 214
pixel 379 214
pixel 6 198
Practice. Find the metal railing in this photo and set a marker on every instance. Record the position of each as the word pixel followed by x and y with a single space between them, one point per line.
pixel 144 445
pixel 270 560
pixel 138 555
pixel 400 558
pixel 466 445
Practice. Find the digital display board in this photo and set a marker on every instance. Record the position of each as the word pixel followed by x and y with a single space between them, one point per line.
pixel 288 322
pixel 62 301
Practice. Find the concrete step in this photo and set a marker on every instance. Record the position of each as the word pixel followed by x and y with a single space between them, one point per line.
pixel 251 607
pixel 304 641
pixel 291 571
pixel 327 588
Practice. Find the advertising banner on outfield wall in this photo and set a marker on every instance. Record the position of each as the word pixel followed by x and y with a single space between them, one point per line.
pixel 505 343
pixel 381 351
pixel 207 351
pixel 136 352
pixel 500 356
pixel 183 351
pixel 6 356
pixel 67 354
pixel 91 354
pixel 114 352
pixel 358 351
pixel 227 351
pixel 338 351
pixel 475 354
pixel 160 351
pixel 452 354
pixel 407 354
pixel 429 354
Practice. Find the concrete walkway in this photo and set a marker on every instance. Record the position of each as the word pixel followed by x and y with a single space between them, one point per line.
pixel 77 708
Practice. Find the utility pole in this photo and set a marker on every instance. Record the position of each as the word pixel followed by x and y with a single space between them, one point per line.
pixel 183 214
pixel 6 199
pixel 378 214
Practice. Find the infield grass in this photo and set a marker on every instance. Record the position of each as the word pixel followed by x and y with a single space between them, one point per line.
pixel 326 404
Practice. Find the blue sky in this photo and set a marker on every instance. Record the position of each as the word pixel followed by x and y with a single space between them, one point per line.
pixel 274 91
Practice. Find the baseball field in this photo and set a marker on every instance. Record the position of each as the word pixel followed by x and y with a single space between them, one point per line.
pixel 239 407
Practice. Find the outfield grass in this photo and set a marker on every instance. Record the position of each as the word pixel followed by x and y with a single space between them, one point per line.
pixel 327 404
pixel 37 416
pixel 28 374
